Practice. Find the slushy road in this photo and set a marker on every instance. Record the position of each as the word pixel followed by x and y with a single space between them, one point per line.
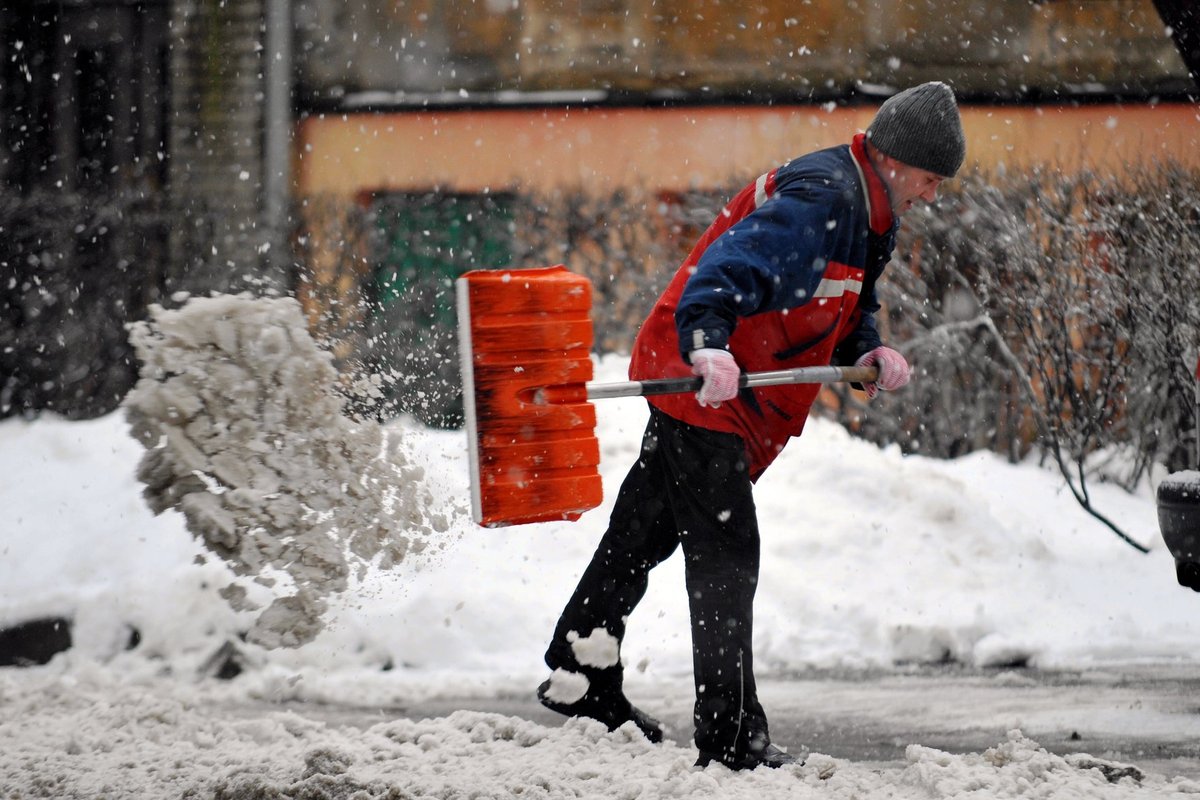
pixel 1147 716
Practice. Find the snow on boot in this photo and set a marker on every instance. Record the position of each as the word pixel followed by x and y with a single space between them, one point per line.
pixel 613 709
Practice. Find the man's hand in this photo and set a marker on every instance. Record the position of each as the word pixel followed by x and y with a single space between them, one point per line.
pixel 893 370
pixel 720 372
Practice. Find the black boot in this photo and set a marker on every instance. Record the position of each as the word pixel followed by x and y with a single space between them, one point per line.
pixel 611 708
pixel 759 752
pixel 771 756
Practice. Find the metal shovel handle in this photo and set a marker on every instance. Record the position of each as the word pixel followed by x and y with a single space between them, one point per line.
pixel 692 383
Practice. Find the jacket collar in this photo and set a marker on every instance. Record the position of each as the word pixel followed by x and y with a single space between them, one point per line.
pixel 879 205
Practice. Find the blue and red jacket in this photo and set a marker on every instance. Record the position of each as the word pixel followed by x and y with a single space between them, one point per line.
pixel 784 277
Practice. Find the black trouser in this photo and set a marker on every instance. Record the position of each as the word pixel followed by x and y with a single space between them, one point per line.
pixel 689 487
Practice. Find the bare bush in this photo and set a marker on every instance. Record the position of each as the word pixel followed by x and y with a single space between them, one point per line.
pixel 73 270
pixel 1052 312
pixel 1152 230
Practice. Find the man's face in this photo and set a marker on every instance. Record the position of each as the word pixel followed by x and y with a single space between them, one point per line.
pixel 906 185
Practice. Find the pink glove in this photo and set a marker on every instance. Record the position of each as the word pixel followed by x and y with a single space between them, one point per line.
pixel 893 370
pixel 720 372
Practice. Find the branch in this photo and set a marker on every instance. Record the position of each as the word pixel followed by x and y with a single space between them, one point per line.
pixel 1079 493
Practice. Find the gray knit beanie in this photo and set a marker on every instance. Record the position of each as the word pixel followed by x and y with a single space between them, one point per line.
pixel 921 127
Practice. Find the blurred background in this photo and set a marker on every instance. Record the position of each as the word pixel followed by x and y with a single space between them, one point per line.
pixel 360 154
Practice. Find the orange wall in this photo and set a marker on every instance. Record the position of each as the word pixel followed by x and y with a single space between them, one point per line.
pixel 603 148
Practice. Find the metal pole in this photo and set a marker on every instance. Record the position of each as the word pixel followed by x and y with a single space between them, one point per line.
pixel 277 128
pixel 1196 431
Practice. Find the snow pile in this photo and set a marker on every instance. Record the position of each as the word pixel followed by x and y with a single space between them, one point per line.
pixel 87 734
pixel 245 434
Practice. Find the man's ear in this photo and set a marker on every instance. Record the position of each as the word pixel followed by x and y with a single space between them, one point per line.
pixel 884 163
pixel 887 165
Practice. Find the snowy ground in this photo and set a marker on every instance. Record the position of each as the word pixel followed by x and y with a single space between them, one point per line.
pixel 871 559
pixel 96 735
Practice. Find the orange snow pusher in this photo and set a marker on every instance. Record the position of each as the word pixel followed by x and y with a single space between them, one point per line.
pixel 525 339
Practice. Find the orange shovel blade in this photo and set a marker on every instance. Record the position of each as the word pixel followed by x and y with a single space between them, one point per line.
pixel 523 331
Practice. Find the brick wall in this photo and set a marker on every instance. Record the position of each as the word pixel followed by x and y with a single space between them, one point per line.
pixel 1015 47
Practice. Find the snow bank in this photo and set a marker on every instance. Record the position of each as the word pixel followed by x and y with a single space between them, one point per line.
pixel 870 558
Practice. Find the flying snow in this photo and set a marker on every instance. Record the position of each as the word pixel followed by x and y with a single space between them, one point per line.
pixel 246 434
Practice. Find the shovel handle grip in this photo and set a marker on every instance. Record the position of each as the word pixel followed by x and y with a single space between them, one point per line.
pixel 692 383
